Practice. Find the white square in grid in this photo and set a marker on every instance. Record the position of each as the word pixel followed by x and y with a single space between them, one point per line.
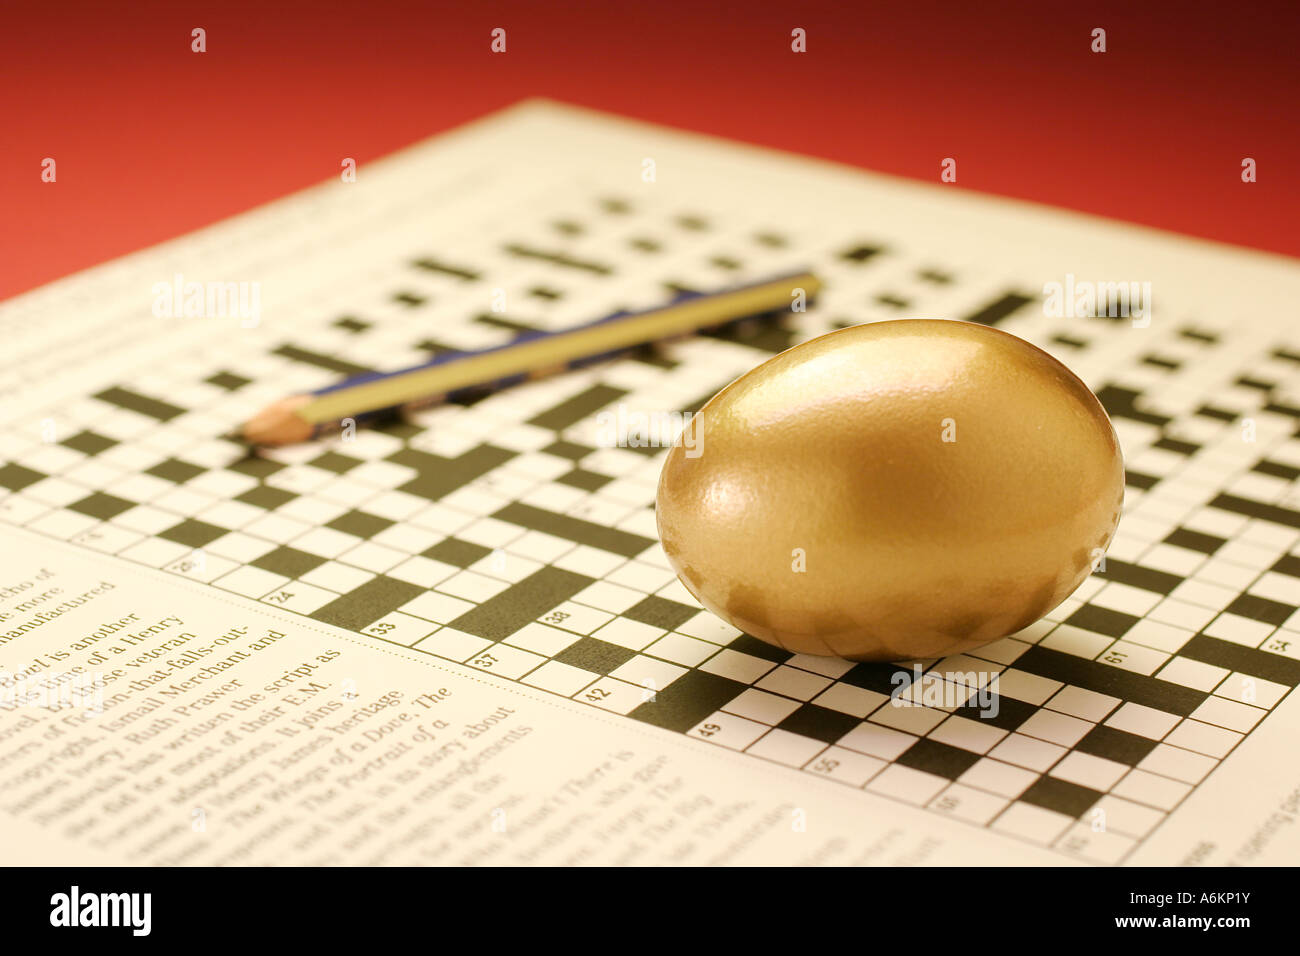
pixel 1155 634
pixel 642 577
pixel 299 598
pixel 395 505
pixel 590 561
pixel 1075 640
pixel 1032 823
pixel 314 510
pixel 251 582
pixel 1181 614
pixel 793 682
pixel 337 577
pixel 610 694
pixel 1247 689
pixel 709 627
pixel 877 741
pixel 1203 738
pixel 1082 703
pixel 540 639
pixel 998 777
pixel 1194 674
pixel 680 649
pixel 847 699
pixel 1142 720
pixel 471 586
pixel 762 706
pixel 604 596
pixel 372 557
pixel 63 524
pixel 57 492
pixel 915 787
pixel 1126 817
pixel 1151 790
pixel 647 672
pixel 1023 686
pixel 442 518
pixel 505 566
pixel 1125 598
pixel 1180 764
pixel 421 571
pixel 845 766
pixel 1133 657
pixel 490 533
pixel 1239 630
pixel 282 530
pixel 744 668
pixel 793 750
pixel 558 678
pixel 910 718
pixel 969 804
pixel 832 667
pixel 407 538
pixel 1096 846
pixel 728 730
pixel 540 546
pixel 977 736
pixel 1096 773
pixel 506 661
pixel 1028 752
pixel 399 628
pixel 453 645
pixel 437 607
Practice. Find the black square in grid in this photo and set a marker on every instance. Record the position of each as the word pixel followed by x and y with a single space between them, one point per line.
pixel 173 469
pixel 1102 620
pixel 1195 540
pixel 660 612
pixel 16 477
pixel 457 552
pixel 350 323
pixel 687 701
pixel 359 523
pixel 288 561
pixel 367 603
pixel 594 655
pixel 264 496
pixel 1004 713
pixel 1062 796
pixel 255 466
pixel 819 723
pixel 568 449
pixel 227 380
pixel 333 461
pixel 88 443
pixel 876 677
pixel 938 758
pixel 585 480
pixel 748 644
pixel 1149 579
pixel 1288 564
pixel 1261 609
pixel 1117 745
pixel 193 533
pixel 102 506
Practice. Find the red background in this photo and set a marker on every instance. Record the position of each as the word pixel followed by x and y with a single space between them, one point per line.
pixel 152 140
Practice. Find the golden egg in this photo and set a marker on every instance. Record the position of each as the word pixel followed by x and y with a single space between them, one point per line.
pixel 892 491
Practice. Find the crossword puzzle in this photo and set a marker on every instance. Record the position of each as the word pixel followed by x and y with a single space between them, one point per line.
pixel 498 533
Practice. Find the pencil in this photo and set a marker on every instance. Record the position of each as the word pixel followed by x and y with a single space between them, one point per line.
pixel 532 355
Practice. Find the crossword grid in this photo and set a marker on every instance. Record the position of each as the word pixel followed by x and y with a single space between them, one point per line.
pixel 497 533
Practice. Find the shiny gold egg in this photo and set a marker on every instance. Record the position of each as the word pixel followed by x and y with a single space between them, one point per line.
pixel 892 491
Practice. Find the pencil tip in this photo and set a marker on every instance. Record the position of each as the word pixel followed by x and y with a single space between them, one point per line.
pixel 277 424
